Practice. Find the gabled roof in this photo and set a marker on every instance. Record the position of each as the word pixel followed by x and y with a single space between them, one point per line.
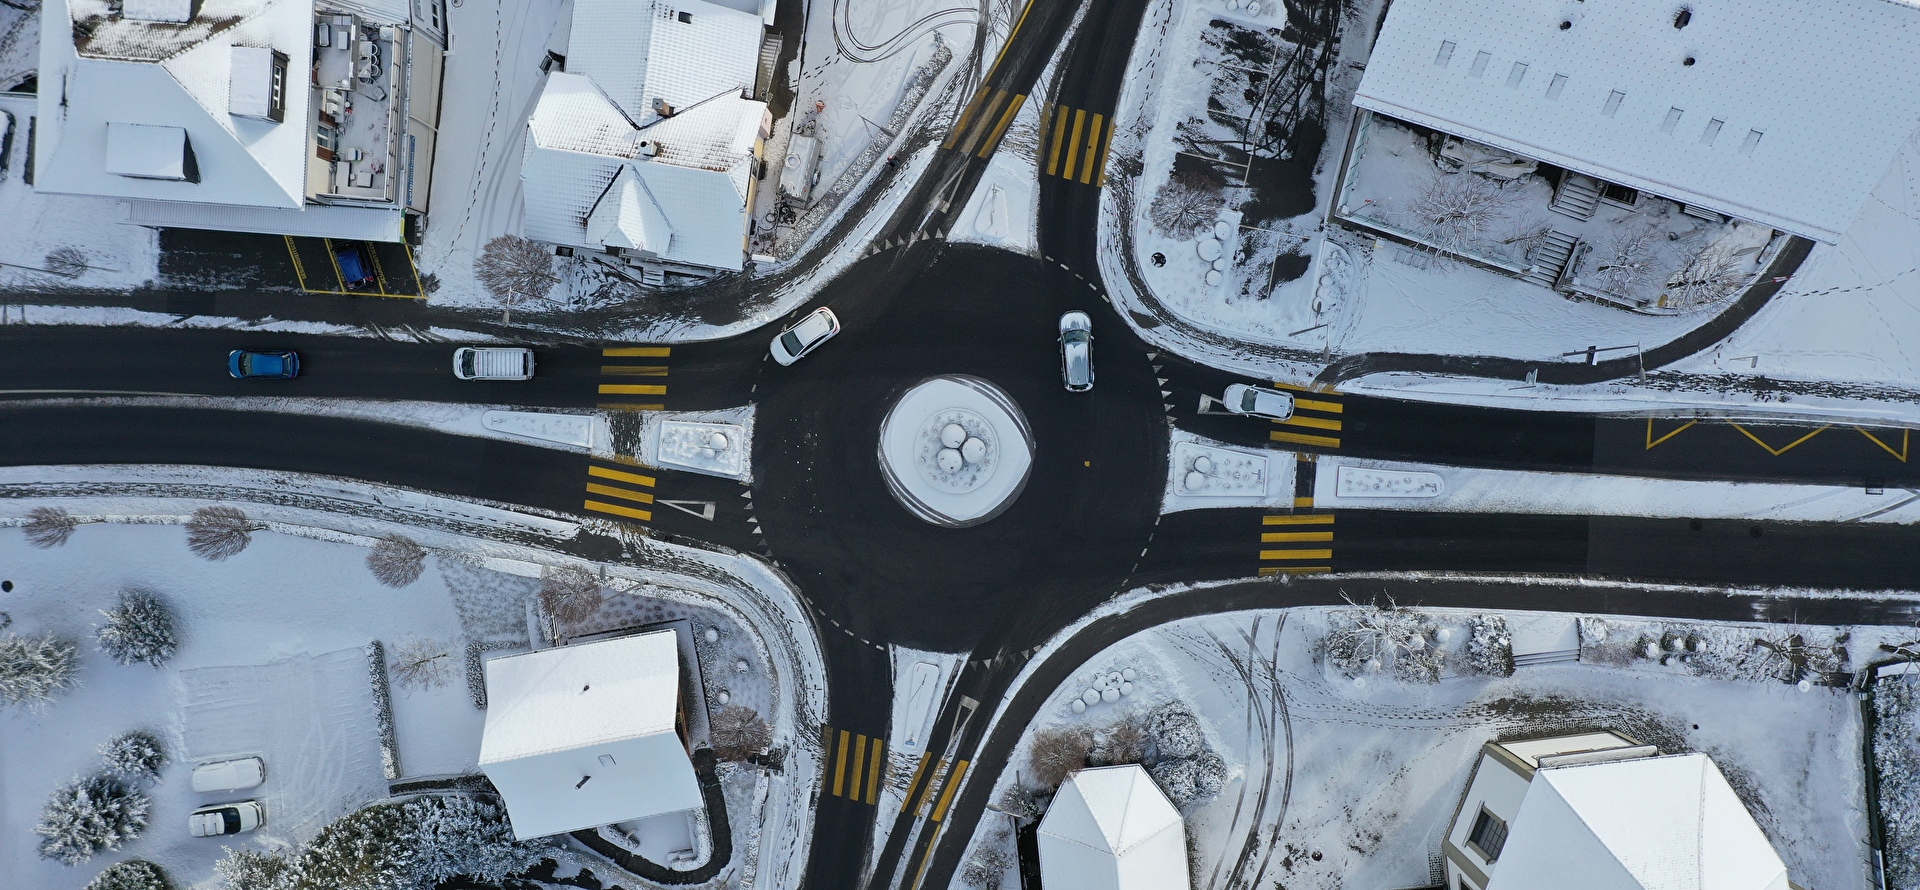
pixel 1788 115
pixel 1111 828
pixel 627 216
pixel 640 50
pixel 1657 823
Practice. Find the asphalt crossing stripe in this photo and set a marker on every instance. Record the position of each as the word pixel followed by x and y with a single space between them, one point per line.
pixel 933 787
pixel 624 370
pixel 1318 405
pixel 1294 537
pixel 633 389
pixel 873 772
pixel 856 778
pixel 1298 519
pixel 1093 139
pixel 1304 418
pixel 918 771
pixel 1073 140
pixel 1297 560
pixel 966 117
pixel 946 797
pixel 637 351
pixel 1080 137
pixel 1106 142
pixel 634 370
pixel 1000 129
pixel 1302 439
pixel 1059 132
pixel 627 489
pixel 977 128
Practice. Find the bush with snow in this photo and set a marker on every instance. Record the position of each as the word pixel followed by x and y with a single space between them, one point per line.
pixel 1057 752
pixel 136 755
pixel 993 857
pixel 1187 204
pixel 397 561
pixel 418 843
pixel 569 594
pixel 85 816
pixel 1183 761
pixel 1896 760
pixel 1489 646
pixel 246 869
pixel 139 629
pixel 1125 741
pixel 737 733
pixel 1175 731
pixel 1459 212
pixel 216 533
pixel 421 663
pixel 1390 638
pixel 49 527
pixel 35 670
pixel 133 874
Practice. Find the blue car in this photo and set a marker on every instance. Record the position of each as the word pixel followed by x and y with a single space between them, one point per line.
pixel 248 364
pixel 356 268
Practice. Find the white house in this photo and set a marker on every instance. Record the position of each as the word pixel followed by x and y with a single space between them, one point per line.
pixel 645 150
pixel 277 116
pixel 586 735
pixel 1111 828
pixel 1597 811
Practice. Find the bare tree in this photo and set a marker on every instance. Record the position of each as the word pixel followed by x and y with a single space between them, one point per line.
pixel 571 595
pixel 420 663
pixel 738 733
pixel 1371 639
pixel 514 270
pixel 990 862
pixel 216 533
pixel 1630 261
pixel 1188 203
pixel 1710 276
pixel 49 527
pixel 1057 752
pixel 1458 212
pixel 67 262
pixel 397 561
pixel 1123 742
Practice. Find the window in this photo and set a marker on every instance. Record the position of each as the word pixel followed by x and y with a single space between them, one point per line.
pixel 1712 131
pixel 1620 194
pixel 1480 61
pixel 1559 83
pixel 1613 102
pixel 1445 55
pixel 1489 834
pixel 277 98
pixel 686 18
pixel 1673 120
pixel 1752 142
pixel 1517 74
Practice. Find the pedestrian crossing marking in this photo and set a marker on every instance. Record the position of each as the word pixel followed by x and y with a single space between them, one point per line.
pixel 627 489
pixel 634 370
pixel 1298 519
pixel 633 389
pixel 856 778
pixel 1303 439
pixel 1293 429
pixel 1077 141
pixel 1303 502
pixel 918 771
pixel 984 122
pixel 933 787
pixel 946 796
pixel 621 493
pixel 1294 537
pixel 1297 553
pixel 624 370
pixel 637 351
pixel 1000 129
pixel 1297 560
pixel 622 476
pixel 966 117
pixel 840 768
pixel 1319 405
pixel 1318 423
pixel 617 510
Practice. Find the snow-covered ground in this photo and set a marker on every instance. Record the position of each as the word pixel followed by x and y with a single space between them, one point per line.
pixel 1204 474
pixel 1337 784
pixel 115 255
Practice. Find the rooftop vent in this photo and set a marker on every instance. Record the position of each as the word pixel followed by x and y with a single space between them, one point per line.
pixel 1683 18
pixel 146 151
pixel 662 107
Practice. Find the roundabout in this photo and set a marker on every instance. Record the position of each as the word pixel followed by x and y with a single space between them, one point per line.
pixel 956 451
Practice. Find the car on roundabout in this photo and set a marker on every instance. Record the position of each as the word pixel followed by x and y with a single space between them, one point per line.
pixel 805 335
pixel 1076 351
pixel 1255 401
pixel 263 364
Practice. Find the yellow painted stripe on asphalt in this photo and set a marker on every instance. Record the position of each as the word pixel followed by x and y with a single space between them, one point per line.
pixel 1294 537
pixel 1059 133
pixel 608 490
pixel 926 855
pixel 873 772
pixel 982 122
pixel 1303 502
pixel 1294 570
pixel 960 126
pixel 1093 141
pixel 1318 423
pixel 1073 141
pixel 633 389
pixel 1298 519
pixel 946 797
pixel 631 406
pixel 1101 164
pixel 622 476
pixel 634 370
pixel 1323 390
pixel 859 760
pixel 1297 553
pixel 1000 129
pixel 918 771
pixel 933 787
pixel 1303 439
pixel 840 765
pixel 1010 35
pixel 637 351
pixel 1318 405
pixel 617 510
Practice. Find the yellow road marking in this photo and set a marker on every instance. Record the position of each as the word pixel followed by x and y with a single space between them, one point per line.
pixel 1073 141
pixel 1294 537
pixel 1318 423
pixel 1905 440
pixel 932 836
pixel 946 797
pixel 859 760
pixel 1784 449
pixel 979 126
pixel 1297 554
pixel 621 476
pixel 933 786
pixel 1000 129
pixel 1303 439
pixel 1303 502
pixel 917 772
pixel 1651 441
pixel 631 406
pixel 1317 405
pixel 299 268
pixel 1093 139
pixel 1010 35
pixel 873 772
pixel 1294 570
pixel 966 115
pixel 840 766
pixel 617 510
pixel 1298 519
pixel 608 490
pixel 637 351
pixel 1323 390
pixel 1105 144
pixel 632 389
pixel 1059 133
pixel 634 370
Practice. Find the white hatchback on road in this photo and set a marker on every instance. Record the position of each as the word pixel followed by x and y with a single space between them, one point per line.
pixel 805 335
pixel 1076 351
pixel 1243 399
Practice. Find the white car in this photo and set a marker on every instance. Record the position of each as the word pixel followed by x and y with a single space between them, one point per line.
pixel 1243 399
pixel 226 818
pixel 238 774
pixel 493 363
pixel 1076 351
pixel 805 336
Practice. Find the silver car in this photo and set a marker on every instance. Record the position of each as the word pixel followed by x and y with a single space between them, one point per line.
pixel 805 335
pixel 1076 351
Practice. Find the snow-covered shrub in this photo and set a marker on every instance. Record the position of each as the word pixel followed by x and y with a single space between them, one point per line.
pixel 1896 760
pixel 514 270
pixel 246 869
pixel 1489 646
pixel 49 527
pixel 216 533
pixel 1057 752
pixel 1630 259
pixel 1189 780
pixel 85 816
pixel 1023 802
pixel 1188 203
pixel 397 561
pixel 1711 275
pixel 1369 640
pixel 136 755
pixel 383 708
pixel 34 670
pixel 139 629
pixel 991 859
pixel 1175 731
pixel 1458 212
pixel 419 663
pixel 737 733
pixel 416 844
pixel 1123 742
pixel 133 874
pixel 569 594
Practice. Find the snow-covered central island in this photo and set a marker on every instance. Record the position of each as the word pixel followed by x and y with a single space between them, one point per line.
pixel 956 450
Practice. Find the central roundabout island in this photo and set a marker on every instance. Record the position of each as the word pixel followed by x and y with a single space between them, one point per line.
pixel 955 450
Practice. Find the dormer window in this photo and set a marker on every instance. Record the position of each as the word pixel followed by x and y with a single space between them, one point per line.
pixel 257 84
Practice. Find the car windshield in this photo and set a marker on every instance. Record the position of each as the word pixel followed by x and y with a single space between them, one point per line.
pixel 1250 400
pixel 790 341
pixel 1076 336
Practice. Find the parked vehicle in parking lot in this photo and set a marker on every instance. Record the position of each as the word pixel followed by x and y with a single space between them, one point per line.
pixel 226 818
pixel 1076 351
pixel 255 364
pixel 805 336
pixel 238 774
pixel 356 265
pixel 1258 402
pixel 493 363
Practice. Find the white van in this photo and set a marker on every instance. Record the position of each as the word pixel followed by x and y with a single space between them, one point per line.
pixel 493 363
pixel 229 775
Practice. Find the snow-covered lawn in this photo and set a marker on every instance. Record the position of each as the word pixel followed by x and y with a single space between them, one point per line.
pixel 1333 783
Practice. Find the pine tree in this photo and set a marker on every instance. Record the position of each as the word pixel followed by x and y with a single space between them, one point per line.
pixel 139 630
pixel 99 812
pixel 136 755
pixel 133 874
pixel 246 869
pixel 456 836
pixel 34 670
pixel 363 850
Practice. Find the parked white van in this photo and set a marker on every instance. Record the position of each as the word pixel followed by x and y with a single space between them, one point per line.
pixel 493 363
pixel 229 775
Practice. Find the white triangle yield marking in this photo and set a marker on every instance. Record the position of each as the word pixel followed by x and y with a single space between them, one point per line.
pixel 747 494
pixel 705 510
pixel 1152 356
pixel 1163 380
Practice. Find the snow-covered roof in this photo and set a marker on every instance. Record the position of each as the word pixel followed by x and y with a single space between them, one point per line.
pixel 1111 828
pixel 1787 115
pixel 580 736
pixel 680 51
pixel 588 179
pixel 1656 823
